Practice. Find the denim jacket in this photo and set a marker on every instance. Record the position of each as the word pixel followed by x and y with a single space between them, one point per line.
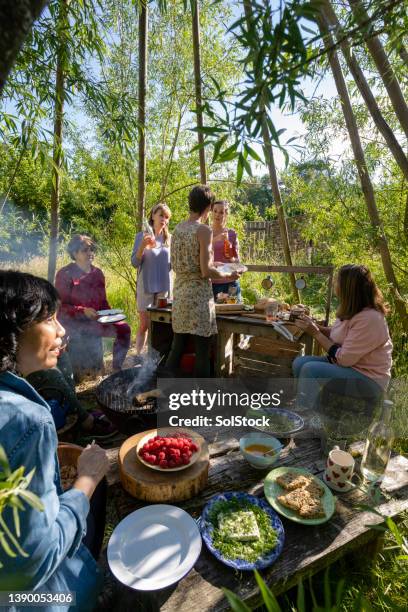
pixel 57 560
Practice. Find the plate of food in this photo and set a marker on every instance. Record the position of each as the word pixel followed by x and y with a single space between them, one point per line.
pixel 242 531
pixel 112 318
pixel 169 452
pixel 154 547
pixel 299 495
pixel 281 422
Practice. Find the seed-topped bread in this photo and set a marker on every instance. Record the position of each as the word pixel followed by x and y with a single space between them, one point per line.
pixel 293 480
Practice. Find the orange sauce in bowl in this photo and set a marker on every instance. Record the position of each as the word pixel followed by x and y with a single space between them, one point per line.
pixel 259 449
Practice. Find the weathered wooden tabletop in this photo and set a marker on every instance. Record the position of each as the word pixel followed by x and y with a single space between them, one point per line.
pixel 306 550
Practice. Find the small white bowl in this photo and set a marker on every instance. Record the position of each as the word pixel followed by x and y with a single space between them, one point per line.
pixel 258 461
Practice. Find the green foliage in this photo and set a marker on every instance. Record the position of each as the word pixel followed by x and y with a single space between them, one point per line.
pixel 13 491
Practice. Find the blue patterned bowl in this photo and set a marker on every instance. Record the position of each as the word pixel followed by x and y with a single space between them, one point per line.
pixel 207 529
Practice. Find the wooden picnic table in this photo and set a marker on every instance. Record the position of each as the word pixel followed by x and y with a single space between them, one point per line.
pixel 276 360
pixel 306 550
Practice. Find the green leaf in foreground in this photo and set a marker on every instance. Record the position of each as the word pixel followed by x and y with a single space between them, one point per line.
pixel 269 599
pixel 235 602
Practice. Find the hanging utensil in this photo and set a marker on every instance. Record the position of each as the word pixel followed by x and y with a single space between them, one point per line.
pixel 267 283
pixel 300 283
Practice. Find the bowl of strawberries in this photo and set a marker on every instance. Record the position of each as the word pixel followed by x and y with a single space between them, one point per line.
pixel 168 451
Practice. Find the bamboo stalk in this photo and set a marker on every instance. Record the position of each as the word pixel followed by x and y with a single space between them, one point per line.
pixel 384 67
pixel 273 177
pixel 57 143
pixel 198 89
pixel 380 240
pixel 367 94
pixel 143 51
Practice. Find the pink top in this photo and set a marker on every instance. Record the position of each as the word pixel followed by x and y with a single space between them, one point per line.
pixel 218 248
pixel 365 344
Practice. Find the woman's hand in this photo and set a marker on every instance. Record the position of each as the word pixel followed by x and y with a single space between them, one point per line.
pixel 91 313
pixel 147 241
pixel 307 324
pixel 92 466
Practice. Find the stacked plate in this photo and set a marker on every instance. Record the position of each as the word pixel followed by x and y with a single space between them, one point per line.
pixel 111 315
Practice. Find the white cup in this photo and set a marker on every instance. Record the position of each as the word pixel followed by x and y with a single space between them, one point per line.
pixel 339 470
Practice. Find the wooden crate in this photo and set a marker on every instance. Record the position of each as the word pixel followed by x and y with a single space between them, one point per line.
pixel 266 357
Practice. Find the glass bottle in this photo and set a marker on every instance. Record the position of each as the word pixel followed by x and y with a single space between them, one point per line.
pixel 147 229
pixel 378 445
pixel 228 249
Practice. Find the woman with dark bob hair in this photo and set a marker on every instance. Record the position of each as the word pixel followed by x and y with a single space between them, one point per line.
pixel 192 260
pixel 81 286
pixel 58 557
pixel 358 345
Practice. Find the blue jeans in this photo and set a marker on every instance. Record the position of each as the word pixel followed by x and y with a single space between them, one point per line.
pixel 223 288
pixel 314 372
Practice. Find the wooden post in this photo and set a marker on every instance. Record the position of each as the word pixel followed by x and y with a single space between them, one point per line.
pixel 198 92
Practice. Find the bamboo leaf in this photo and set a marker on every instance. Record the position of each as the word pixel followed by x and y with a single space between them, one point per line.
pixel 5 545
pixel 240 169
pixel 33 500
pixel 4 462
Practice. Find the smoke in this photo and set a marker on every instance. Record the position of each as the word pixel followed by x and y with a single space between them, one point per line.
pixel 145 373
pixel 22 235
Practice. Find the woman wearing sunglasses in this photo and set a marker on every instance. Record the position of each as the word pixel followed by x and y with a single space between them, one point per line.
pixel 81 286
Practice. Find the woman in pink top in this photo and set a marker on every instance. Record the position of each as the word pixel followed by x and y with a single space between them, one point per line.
pixel 358 345
pixel 221 235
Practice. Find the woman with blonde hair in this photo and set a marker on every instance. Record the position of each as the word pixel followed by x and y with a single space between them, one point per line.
pixel 151 258
pixel 358 345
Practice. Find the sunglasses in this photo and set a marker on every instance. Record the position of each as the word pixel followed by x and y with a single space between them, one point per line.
pixel 88 249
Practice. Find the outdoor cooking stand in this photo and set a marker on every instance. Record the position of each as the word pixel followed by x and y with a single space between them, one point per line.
pixel 120 406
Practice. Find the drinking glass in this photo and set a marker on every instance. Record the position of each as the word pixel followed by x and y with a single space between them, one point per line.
pixel 271 312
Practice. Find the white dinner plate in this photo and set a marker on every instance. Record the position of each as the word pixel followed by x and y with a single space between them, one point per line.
pixel 112 318
pixel 109 311
pixel 229 268
pixel 154 547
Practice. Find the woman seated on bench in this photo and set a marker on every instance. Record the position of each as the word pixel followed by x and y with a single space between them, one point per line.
pixel 81 287
pixel 358 345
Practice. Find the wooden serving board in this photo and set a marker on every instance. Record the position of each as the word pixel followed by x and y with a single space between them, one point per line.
pixel 150 485
pixel 256 315
pixel 225 308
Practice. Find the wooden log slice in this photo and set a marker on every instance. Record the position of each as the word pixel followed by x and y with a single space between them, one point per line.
pixel 150 485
